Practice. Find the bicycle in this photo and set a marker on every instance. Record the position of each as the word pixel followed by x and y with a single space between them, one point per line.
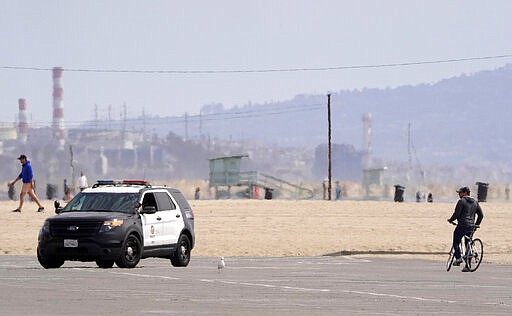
pixel 472 254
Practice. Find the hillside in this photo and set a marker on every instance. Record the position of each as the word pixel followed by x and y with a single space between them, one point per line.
pixel 462 119
pixel 459 130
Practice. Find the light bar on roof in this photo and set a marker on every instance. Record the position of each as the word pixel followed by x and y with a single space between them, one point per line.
pixel 122 182
pixel 105 182
pixel 136 182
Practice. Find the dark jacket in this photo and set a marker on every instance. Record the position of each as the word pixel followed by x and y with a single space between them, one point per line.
pixel 26 174
pixel 465 212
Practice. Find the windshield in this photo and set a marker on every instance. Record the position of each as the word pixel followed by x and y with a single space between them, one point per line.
pixel 103 202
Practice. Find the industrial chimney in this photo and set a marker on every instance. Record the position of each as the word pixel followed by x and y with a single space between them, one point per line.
pixel 58 107
pixel 367 139
pixel 22 121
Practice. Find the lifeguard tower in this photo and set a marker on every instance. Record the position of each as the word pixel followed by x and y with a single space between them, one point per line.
pixel 225 173
pixel 372 176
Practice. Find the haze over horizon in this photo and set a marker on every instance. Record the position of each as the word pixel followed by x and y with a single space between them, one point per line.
pixel 163 36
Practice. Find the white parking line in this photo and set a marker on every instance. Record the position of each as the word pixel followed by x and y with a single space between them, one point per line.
pixel 358 259
pixel 132 274
pixel 498 304
pixel 325 263
pixel 400 296
pixel 147 275
pixel 281 287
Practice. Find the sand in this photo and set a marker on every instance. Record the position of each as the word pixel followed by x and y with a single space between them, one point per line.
pixel 304 228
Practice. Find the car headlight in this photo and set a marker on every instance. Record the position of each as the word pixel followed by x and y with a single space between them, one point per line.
pixel 109 225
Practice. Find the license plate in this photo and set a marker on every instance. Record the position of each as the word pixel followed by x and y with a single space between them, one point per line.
pixel 70 243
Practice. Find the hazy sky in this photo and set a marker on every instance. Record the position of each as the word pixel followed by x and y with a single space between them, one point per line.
pixel 233 35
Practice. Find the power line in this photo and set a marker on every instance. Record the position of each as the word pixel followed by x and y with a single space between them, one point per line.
pixel 270 70
pixel 258 113
pixel 252 113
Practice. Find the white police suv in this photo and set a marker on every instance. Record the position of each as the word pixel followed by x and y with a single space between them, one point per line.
pixel 119 222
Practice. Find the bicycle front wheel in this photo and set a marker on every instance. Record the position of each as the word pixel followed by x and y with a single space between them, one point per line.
pixel 477 256
pixel 451 256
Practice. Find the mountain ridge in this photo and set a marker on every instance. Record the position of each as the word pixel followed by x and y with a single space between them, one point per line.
pixel 459 119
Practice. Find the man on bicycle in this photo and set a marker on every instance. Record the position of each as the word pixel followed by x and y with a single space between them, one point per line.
pixel 465 215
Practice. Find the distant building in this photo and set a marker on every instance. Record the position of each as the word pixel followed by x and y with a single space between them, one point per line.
pixel 346 162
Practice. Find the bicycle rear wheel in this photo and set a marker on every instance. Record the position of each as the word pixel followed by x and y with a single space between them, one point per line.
pixel 451 256
pixel 478 254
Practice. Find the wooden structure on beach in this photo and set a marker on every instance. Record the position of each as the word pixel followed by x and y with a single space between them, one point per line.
pixel 225 173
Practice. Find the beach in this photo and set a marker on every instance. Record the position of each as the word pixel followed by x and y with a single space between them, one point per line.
pixel 304 228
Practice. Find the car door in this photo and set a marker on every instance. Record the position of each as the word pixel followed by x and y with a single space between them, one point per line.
pixel 173 222
pixel 152 224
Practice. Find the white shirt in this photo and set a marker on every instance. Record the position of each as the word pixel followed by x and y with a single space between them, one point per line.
pixel 82 182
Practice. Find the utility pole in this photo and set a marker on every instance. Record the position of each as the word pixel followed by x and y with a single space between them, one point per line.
pixel 71 162
pixel 329 146
pixel 186 126
pixel 409 145
pixel 200 124
pixel 96 116
pixel 123 120
pixel 109 116
pixel 143 124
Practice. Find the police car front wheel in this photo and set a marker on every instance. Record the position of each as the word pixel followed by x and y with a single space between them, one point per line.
pixel 131 253
pixel 48 262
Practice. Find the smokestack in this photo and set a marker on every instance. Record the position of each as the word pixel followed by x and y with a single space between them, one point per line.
pixel 367 139
pixel 22 121
pixel 58 107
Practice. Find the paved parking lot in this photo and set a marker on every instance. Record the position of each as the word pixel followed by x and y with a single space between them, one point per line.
pixel 250 286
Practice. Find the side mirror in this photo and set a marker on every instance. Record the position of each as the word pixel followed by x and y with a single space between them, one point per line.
pixel 57 206
pixel 148 209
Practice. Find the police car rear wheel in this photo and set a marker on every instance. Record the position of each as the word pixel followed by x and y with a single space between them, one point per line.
pixel 181 256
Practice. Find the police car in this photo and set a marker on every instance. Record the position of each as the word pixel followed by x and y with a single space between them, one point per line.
pixel 119 222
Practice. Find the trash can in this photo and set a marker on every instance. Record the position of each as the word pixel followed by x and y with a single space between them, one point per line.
pixel 11 192
pixel 268 194
pixel 51 191
pixel 430 198
pixel 482 191
pixel 399 193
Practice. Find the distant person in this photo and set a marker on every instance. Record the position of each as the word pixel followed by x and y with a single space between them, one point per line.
pixel 430 198
pixel 65 186
pixel 464 213
pixel 81 183
pixel 67 194
pixel 338 190
pixel 324 187
pixel 418 196
pixel 507 193
pixel 197 193
pixel 27 178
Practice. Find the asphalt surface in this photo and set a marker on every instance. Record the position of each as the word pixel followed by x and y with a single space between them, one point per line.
pixel 255 286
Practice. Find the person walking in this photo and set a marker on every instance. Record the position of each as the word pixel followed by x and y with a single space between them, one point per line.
pixel 464 213
pixel 82 182
pixel 27 177
pixel 338 191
